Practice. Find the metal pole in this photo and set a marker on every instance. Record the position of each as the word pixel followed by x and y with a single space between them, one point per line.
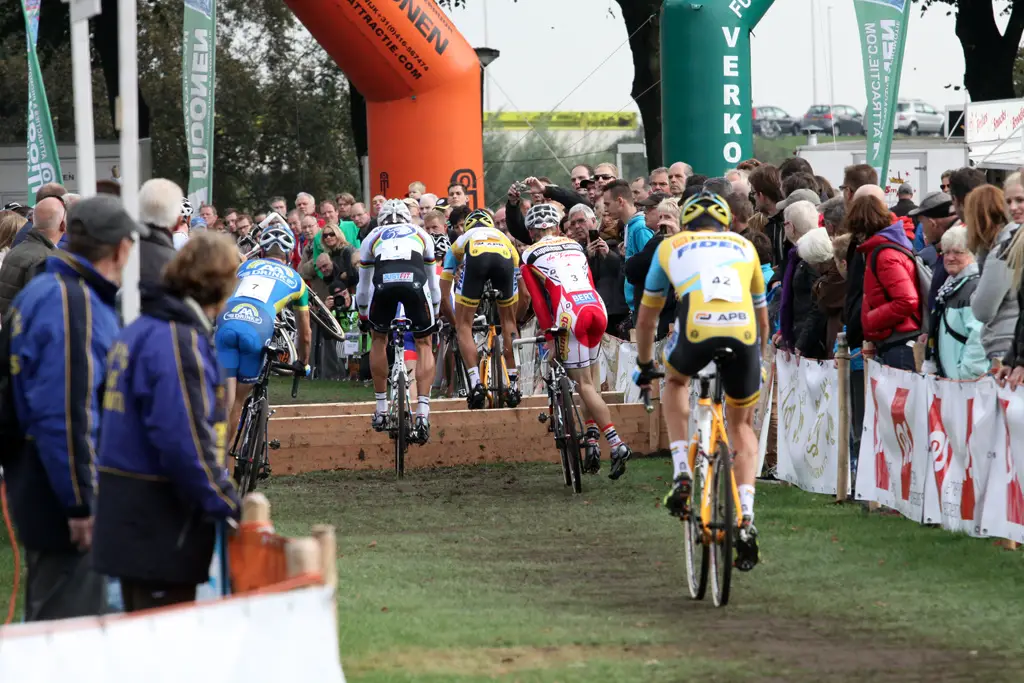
pixel 814 51
pixel 483 75
pixel 81 78
pixel 831 73
pixel 128 102
pixel 843 365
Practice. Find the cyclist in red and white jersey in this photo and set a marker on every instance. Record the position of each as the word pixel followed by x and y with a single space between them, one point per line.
pixel 557 275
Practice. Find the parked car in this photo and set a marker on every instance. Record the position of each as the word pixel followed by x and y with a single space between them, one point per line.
pixel 915 117
pixel 771 122
pixel 839 119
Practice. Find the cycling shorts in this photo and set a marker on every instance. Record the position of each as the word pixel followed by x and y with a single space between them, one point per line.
pixel 409 343
pixel 478 269
pixel 240 347
pixel 581 348
pixel 741 375
pixel 401 282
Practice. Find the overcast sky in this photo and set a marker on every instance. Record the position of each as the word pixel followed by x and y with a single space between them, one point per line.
pixel 549 46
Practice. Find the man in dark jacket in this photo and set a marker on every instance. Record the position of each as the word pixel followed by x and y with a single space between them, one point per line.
pixel 62 325
pixel 27 259
pixel 515 216
pixel 905 204
pixel 605 263
pixel 47 190
pixel 162 474
pixel 160 211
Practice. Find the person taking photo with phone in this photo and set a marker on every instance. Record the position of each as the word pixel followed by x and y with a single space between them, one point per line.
pixel 605 262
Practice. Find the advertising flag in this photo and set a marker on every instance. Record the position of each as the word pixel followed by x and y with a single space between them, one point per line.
pixel 41 147
pixel 882 25
pixel 197 85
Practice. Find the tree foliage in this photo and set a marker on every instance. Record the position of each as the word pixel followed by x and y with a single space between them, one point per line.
pixel 282 105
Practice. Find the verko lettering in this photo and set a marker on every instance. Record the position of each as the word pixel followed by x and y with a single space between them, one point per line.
pixel 732 152
pixel 198 154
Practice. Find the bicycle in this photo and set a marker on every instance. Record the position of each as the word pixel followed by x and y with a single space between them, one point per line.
pixel 250 446
pixel 458 381
pixel 399 417
pixel 493 368
pixel 565 422
pixel 284 339
pixel 712 528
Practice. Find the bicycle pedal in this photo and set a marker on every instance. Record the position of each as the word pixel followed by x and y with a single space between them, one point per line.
pixel 274 444
pixel 264 473
pixel 542 418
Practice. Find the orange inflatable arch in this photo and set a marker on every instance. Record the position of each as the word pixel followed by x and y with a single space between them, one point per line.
pixel 421 81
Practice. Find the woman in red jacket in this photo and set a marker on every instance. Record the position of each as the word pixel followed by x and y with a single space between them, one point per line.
pixel 890 314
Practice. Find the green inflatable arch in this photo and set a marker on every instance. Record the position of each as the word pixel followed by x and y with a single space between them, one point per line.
pixel 705 81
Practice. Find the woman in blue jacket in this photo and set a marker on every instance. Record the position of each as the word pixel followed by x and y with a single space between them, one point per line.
pixel 959 353
pixel 162 477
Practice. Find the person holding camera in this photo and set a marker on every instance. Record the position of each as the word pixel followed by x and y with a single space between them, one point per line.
pixel 666 217
pixel 605 263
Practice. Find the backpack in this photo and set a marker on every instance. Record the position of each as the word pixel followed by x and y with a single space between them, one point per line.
pixel 924 281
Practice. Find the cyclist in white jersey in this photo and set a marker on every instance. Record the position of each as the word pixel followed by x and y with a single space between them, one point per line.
pixel 396 267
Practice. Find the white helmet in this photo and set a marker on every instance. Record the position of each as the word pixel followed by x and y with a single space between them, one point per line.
pixel 394 212
pixel 276 235
pixel 441 245
pixel 186 207
pixel 542 217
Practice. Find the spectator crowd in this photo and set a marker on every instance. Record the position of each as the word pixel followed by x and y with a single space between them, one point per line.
pixel 934 285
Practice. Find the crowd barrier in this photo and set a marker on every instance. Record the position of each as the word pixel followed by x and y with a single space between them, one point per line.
pixel 284 597
pixel 938 451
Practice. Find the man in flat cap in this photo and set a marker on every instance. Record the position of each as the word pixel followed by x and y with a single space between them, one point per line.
pixel 935 214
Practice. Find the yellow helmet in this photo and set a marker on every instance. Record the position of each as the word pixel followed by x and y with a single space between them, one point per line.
pixel 478 219
pixel 706 204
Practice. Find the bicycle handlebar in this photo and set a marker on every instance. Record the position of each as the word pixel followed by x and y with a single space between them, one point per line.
pixel 645 394
pixel 554 331
pixel 298 370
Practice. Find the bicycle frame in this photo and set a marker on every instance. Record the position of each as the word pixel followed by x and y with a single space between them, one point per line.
pixel 398 329
pixel 491 325
pixel 703 450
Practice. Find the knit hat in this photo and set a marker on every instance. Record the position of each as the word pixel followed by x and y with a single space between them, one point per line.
pixel 815 247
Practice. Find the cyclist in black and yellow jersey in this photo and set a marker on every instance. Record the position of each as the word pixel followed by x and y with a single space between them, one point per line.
pixel 716 278
pixel 486 254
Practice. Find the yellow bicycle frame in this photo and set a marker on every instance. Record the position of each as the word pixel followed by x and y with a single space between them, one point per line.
pixel 718 435
pixel 485 366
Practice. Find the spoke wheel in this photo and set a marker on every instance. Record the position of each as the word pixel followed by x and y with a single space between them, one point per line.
pixel 323 318
pixel 496 387
pixel 252 449
pixel 401 425
pixel 697 551
pixel 557 418
pixel 572 442
pixel 723 527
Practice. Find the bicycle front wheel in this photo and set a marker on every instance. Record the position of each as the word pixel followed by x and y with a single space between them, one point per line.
pixel 723 527
pixel 572 441
pixel 697 550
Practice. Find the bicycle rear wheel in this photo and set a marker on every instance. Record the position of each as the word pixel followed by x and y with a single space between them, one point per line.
pixel 247 471
pixel 402 427
pixel 697 551
pixel 322 317
pixel 572 441
pixel 556 425
pixel 496 387
pixel 723 527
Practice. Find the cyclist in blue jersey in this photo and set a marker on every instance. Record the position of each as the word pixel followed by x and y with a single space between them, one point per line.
pixel 266 286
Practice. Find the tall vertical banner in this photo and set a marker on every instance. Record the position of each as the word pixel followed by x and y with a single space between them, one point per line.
pixel 883 35
pixel 43 162
pixel 198 76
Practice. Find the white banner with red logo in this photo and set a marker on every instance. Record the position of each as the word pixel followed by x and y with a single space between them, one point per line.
pixel 808 431
pixel 944 452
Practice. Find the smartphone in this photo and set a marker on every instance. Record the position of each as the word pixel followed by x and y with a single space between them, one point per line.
pixel 595 235
pixel 523 188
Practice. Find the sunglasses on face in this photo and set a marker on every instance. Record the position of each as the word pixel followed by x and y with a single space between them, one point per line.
pixel 603 176
pixel 944 186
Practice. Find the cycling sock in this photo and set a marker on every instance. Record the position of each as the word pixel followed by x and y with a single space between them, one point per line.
pixel 680 458
pixel 747 501
pixel 474 376
pixel 382 402
pixel 424 406
pixel 611 435
pixel 513 375
pixel 593 433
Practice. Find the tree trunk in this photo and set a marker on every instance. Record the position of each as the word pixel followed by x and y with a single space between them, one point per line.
pixel 105 43
pixel 646 47
pixel 988 55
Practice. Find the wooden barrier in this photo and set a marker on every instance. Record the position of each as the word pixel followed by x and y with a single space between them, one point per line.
pixel 339 436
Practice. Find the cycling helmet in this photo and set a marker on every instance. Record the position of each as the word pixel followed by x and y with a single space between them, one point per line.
pixel 441 245
pixel 542 217
pixel 186 208
pixel 277 236
pixel 709 205
pixel 394 212
pixel 478 219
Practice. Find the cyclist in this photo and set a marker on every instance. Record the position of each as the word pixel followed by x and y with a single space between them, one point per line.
pixel 266 286
pixel 397 267
pixel 487 255
pixel 716 277
pixel 557 276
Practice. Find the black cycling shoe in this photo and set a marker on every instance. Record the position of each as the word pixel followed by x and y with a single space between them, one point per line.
pixel 513 396
pixel 747 551
pixel 592 461
pixel 620 454
pixel 422 431
pixel 677 500
pixel 477 397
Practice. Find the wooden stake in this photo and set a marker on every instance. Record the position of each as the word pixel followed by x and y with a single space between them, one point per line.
pixel 843 363
pixel 328 542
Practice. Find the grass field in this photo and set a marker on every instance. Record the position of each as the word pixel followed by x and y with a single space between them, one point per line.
pixel 318 391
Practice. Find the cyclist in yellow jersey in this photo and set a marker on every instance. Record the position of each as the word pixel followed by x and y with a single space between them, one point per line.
pixel 716 278
pixel 488 255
